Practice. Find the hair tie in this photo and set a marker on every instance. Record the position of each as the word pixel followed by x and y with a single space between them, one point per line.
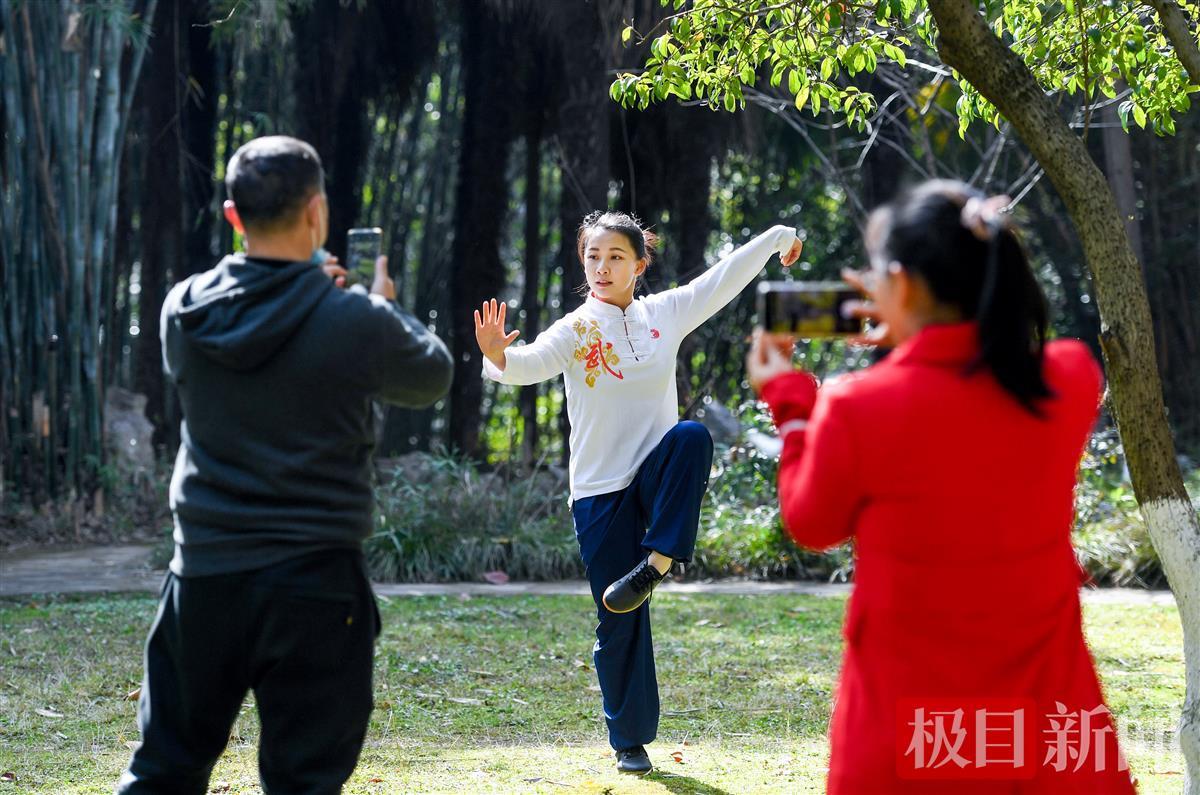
pixel 984 218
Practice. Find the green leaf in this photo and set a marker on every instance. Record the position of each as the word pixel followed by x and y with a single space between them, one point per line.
pixel 627 34
pixel 802 97
pixel 1139 115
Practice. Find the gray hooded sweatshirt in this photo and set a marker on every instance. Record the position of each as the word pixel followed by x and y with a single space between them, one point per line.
pixel 276 369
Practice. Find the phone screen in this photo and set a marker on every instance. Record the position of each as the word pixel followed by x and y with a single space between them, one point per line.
pixel 809 310
pixel 363 247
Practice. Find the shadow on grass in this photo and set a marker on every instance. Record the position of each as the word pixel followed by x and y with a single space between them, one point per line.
pixel 684 785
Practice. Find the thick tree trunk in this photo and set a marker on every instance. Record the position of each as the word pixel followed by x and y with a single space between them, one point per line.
pixel 480 207
pixel 330 103
pixel 199 134
pixel 583 148
pixel 967 44
pixel 161 214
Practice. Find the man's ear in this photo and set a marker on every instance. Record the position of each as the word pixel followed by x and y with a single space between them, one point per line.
pixel 235 220
pixel 312 211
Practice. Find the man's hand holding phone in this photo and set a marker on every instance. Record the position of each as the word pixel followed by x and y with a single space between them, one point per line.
pixel 382 284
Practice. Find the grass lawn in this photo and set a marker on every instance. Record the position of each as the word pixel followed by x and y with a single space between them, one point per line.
pixel 498 695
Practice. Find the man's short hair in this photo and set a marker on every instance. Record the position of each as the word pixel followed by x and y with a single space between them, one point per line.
pixel 269 179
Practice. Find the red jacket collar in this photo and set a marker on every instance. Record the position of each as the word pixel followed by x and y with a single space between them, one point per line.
pixel 951 344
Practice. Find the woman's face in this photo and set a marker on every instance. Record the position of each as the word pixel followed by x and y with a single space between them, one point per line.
pixel 882 279
pixel 611 266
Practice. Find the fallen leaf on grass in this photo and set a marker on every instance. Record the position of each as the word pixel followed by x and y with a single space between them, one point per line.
pixel 223 786
pixel 133 695
pixel 48 713
pixel 374 781
pixel 580 664
pixel 495 577
pixel 471 702
pixel 677 756
pixel 8 776
pixel 704 622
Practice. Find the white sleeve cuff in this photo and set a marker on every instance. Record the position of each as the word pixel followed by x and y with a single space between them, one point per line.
pixel 791 426
pixel 786 237
pixel 492 371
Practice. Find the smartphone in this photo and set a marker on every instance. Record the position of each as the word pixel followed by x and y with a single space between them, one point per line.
pixel 809 310
pixel 363 247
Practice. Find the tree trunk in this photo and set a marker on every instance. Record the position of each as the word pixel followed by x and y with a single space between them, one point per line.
pixel 966 43
pixel 199 137
pixel 1176 25
pixel 533 270
pixel 583 149
pixel 480 208
pixel 1118 163
pixel 161 214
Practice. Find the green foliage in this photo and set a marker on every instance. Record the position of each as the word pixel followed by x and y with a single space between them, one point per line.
pixel 441 519
pixel 1111 538
pixel 1087 49
pixel 713 51
pixel 740 530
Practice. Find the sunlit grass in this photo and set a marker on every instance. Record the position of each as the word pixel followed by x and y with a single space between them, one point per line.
pixel 499 695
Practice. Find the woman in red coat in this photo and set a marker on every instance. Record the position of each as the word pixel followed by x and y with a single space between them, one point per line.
pixel 952 465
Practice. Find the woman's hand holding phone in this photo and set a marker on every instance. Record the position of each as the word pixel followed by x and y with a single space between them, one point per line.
pixel 770 356
pixel 878 335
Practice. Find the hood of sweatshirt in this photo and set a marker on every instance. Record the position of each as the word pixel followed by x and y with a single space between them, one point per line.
pixel 242 311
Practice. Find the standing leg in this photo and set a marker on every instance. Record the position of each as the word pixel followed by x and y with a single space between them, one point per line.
pixel 192 687
pixel 311 671
pixel 609 528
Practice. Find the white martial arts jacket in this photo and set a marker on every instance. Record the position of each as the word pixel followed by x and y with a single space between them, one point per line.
pixel 619 365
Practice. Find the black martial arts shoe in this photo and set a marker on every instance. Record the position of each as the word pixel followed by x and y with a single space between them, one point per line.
pixel 634 760
pixel 627 594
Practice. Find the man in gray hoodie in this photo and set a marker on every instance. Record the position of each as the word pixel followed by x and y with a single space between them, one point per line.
pixel 276 368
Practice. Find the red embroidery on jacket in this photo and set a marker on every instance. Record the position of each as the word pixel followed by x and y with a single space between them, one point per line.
pixel 596 354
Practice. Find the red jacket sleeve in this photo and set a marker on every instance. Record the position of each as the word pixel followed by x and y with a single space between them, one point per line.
pixel 819 489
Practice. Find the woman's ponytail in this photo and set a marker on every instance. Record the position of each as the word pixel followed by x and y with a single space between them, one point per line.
pixel 963 245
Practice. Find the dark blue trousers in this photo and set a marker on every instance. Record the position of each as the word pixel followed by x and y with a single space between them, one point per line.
pixel 659 511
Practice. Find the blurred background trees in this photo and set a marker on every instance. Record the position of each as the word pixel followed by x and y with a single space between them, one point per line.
pixel 477 134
